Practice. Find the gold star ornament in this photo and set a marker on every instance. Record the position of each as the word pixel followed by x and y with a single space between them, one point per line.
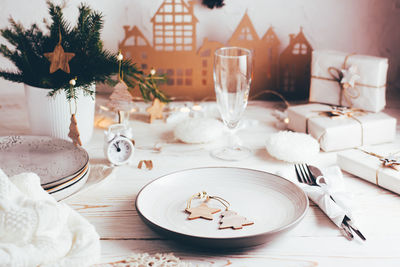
pixel 59 59
pixel 202 211
pixel 156 110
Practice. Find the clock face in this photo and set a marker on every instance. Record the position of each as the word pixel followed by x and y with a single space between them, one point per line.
pixel 119 151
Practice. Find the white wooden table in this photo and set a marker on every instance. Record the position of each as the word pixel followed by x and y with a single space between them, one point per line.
pixel 316 241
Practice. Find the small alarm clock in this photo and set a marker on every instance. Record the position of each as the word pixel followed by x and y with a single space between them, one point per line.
pixel 118 145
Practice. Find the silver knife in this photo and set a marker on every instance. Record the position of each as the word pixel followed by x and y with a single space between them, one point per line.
pixel 347 224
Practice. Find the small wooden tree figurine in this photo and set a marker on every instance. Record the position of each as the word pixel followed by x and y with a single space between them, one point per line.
pixel 120 97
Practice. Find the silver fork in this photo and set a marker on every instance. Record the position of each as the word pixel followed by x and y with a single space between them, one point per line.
pixel 305 176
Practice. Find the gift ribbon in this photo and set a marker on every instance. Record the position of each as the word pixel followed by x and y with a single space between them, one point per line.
pixel 387 162
pixel 340 112
pixel 337 76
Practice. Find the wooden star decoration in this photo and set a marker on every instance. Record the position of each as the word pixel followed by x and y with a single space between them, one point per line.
pixel 156 110
pixel 202 211
pixel 350 76
pixel 391 162
pixel 59 59
pixel 231 219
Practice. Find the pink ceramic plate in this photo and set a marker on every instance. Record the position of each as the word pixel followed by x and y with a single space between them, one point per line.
pixel 54 160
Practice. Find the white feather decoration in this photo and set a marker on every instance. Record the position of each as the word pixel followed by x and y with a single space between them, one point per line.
pixel 198 130
pixel 292 147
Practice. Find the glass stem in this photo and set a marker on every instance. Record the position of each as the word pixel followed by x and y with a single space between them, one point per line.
pixel 234 140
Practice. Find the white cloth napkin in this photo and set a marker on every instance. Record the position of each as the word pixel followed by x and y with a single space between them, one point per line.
pixel 332 184
pixel 36 230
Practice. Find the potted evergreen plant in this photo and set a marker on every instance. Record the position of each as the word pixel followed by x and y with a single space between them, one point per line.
pixel 47 77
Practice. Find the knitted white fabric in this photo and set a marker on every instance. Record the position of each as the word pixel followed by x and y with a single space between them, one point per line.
pixel 36 230
pixel 292 147
pixel 198 130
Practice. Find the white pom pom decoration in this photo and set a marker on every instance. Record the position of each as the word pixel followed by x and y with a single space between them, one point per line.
pixel 292 147
pixel 198 130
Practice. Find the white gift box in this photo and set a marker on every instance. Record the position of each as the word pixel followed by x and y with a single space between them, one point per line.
pixel 338 133
pixel 369 167
pixel 369 89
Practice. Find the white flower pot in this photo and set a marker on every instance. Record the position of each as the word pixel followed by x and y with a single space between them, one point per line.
pixel 51 115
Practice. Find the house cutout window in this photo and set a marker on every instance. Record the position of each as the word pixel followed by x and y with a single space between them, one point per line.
pixel 206 53
pixel 299 49
pixel 174 25
pixel 245 34
pixel 288 79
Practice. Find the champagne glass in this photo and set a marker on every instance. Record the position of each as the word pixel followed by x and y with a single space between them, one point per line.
pixel 233 71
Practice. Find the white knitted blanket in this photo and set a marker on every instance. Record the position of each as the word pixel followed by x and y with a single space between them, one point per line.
pixel 35 230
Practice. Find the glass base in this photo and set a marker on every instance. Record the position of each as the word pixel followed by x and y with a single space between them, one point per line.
pixel 232 153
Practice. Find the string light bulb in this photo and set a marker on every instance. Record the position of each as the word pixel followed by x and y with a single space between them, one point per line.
pixel 120 56
pixel 184 109
pixel 152 71
pixel 197 107
pixel 72 82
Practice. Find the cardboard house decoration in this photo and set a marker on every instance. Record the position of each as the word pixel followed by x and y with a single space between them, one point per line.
pixel 295 68
pixel 189 70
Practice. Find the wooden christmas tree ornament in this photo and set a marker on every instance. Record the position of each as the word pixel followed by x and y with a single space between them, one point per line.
pixel 120 97
pixel 156 110
pixel 73 126
pixel 74 132
pixel 120 94
pixel 231 219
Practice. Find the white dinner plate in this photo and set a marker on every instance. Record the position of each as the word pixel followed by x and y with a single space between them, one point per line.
pixel 68 182
pixel 272 202
pixel 70 188
pixel 54 160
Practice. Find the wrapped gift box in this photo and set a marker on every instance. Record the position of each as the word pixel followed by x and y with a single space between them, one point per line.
pixel 369 167
pixel 338 133
pixel 370 87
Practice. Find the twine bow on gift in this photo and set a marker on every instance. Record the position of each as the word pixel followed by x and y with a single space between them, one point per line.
pixel 342 112
pixel 346 77
pixel 390 161
pixel 339 113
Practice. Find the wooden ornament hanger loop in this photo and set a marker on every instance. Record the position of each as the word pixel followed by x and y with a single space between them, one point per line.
pixel 204 195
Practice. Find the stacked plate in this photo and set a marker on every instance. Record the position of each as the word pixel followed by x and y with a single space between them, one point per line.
pixel 63 168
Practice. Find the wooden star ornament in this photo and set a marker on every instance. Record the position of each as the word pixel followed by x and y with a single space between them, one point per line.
pixel 156 110
pixel 350 76
pixel 202 211
pixel 59 59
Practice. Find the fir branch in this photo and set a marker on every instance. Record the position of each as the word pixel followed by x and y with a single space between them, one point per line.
pixel 91 63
